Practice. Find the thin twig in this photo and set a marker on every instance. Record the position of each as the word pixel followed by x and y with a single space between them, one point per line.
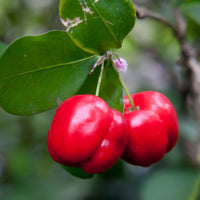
pixel 188 53
pixel 188 56
pixel 143 13
pixel 124 87
pixel 100 79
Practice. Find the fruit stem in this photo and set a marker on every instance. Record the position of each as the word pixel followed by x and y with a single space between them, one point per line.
pixel 99 80
pixel 124 87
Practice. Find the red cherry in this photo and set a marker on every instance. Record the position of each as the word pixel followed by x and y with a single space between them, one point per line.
pixel 111 147
pixel 147 138
pixel 78 127
pixel 86 133
pixel 159 104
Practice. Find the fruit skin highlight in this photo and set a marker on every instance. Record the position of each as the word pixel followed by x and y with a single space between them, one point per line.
pixel 84 133
pixel 111 147
pixel 87 133
pixel 161 105
pixel 147 139
pixel 152 129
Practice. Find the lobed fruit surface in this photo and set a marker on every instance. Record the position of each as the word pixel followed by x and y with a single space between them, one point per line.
pixel 86 133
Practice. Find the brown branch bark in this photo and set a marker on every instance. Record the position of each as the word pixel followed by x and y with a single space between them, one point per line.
pixel 188 59
pixel 142 13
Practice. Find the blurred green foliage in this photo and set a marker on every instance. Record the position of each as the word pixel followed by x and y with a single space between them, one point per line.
pixel 26 169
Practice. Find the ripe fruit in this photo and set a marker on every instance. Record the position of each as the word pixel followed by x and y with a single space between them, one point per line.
pixel 147 139
pixel 84 133
pixel 111 147
pixel 152 130
pixel 159 104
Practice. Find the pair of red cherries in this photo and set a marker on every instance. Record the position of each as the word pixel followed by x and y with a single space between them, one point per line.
pixel 87 133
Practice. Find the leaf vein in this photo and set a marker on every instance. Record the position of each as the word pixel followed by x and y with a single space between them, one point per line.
pixel 47 68
pixel 106 22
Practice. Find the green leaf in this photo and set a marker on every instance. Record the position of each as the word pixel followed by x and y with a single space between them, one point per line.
pixel 2 48
pixel 98 25
pixel 110 90
pixel 169 184
pixel 192 10
pixel 77 172
pixel 115 172
pixel 37 73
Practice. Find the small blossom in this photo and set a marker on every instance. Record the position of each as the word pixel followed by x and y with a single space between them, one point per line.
pixel 121 64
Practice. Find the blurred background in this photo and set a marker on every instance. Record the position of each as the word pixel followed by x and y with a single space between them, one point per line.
pixel 26 170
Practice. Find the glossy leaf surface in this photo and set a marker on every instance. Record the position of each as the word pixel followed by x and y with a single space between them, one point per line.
pixel 110 89
pixel 38 72
pixel 97 25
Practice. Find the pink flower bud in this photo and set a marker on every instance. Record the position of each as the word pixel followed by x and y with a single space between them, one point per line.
pixel 121 64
